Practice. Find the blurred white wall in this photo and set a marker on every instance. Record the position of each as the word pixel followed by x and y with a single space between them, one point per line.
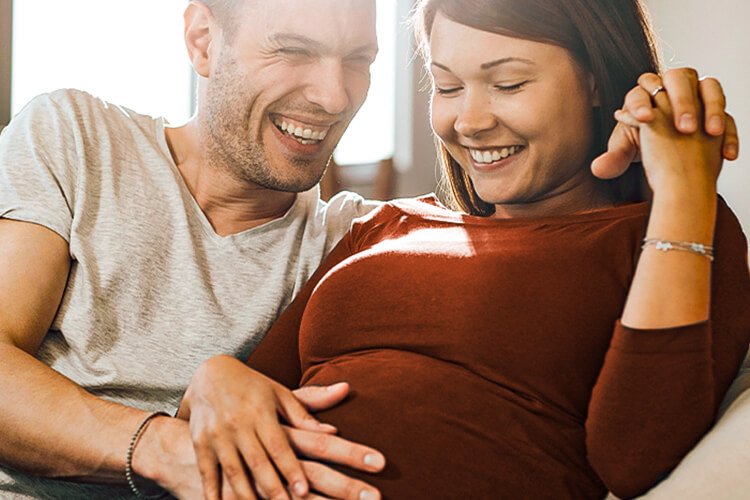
pixel 713 37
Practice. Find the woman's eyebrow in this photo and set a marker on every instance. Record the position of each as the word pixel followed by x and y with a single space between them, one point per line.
pixel 491 64
pixel 498 62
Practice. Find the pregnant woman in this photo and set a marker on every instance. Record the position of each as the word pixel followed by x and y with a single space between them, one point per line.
pixel 555 335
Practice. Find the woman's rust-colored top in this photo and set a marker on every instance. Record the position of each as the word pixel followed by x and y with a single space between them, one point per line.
pixel 486 359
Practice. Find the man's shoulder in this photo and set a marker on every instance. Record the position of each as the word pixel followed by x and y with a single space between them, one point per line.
pixel 342 209
pixel 77 109
pixel 63 101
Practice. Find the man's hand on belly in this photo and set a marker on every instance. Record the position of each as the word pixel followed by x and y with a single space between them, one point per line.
pixel 234 422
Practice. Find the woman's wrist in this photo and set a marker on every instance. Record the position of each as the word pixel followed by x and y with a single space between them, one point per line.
pixel 683 216
pixel 683 186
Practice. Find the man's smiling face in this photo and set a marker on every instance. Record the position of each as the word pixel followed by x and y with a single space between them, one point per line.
pixel 285 86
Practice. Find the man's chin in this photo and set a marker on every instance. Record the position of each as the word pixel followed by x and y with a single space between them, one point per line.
pixel 289 186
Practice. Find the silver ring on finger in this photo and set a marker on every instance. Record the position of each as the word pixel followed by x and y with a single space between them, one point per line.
pixel 658 89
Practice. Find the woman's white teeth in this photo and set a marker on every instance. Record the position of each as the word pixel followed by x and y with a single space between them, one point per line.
pixel 302 135
pixel 494 155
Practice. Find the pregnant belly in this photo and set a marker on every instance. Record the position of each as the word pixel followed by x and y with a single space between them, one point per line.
pixel 448 433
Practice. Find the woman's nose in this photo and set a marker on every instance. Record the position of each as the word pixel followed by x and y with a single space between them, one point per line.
pixel 475 115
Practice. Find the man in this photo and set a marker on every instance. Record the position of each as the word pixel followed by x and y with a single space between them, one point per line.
pixel 131 252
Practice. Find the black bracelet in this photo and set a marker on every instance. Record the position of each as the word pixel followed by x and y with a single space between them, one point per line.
pixel 129 456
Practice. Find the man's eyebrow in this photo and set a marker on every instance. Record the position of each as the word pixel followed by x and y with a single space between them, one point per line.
pixel 491 64
pixel 293 38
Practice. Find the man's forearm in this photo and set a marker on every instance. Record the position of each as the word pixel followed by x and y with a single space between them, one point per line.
pixel 54 428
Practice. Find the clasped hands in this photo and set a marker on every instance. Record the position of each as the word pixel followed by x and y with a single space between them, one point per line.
pixel 253 437
pixel 677 109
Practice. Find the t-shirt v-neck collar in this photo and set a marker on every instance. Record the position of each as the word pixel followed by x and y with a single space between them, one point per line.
pixel 200 216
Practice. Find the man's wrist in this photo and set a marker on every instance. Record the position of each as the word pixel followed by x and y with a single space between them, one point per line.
pixel 150 455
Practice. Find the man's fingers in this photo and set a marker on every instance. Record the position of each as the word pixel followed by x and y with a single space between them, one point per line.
pixel 227 493
pixel 276 443
pixel 731 147
pixel 294 412
pixel 266 479
pixel 682 89
pixel 334 449
pixel 714 105
pixel 638 104
pixel 317 398
pixel 233 470
pixel 622 150
pixel 208 467
pixel 336 485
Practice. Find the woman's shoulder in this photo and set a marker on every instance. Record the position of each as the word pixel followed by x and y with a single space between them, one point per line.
pixel 400 216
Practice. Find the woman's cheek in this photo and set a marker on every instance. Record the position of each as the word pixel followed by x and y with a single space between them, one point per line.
pixel 441 121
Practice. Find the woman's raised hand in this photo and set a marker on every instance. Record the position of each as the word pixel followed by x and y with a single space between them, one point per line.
pixel 695 103
pixel 676 153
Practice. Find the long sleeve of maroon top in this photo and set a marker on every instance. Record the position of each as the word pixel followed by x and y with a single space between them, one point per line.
pixel 659 390
pixel 483 359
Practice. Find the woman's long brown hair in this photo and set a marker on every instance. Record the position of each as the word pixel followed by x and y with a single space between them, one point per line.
pixel 611 39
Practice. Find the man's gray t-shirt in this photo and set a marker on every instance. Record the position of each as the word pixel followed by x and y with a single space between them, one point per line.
pixel 153 291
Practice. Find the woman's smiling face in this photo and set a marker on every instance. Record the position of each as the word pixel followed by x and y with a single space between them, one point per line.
pixel 517 115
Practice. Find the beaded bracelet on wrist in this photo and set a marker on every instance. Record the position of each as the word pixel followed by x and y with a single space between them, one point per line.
pixel 129 457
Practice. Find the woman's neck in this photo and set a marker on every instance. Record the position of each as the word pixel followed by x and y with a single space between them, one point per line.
pixel 580 194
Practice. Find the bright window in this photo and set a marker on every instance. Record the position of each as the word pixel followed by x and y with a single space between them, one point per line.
pixel 371 136
pixel 130 53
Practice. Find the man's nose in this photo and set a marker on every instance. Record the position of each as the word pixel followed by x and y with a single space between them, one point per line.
pixel 475 115
pixel 327 87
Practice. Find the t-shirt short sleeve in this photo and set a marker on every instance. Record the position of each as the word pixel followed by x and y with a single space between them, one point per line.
pixel 38 164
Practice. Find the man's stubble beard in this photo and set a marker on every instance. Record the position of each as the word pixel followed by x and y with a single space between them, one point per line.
pixel 229 144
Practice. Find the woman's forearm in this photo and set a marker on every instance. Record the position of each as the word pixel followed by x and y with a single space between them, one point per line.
pixel 673 288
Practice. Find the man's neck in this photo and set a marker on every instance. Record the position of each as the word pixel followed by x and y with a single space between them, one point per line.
pixel 229 204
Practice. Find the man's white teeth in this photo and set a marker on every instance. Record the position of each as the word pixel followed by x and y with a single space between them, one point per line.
pixel 494 155
pixel 302 135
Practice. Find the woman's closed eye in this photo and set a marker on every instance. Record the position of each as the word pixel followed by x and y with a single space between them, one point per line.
pixel 511 88
pixel 447 90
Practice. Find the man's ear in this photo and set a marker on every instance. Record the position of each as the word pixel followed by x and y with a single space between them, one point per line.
pixel 200 31
pixel 595 100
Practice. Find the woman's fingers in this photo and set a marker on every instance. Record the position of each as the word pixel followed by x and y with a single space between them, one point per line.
pixel 333 484
pixel 638 104
pixel 681 87
pixel 689 97
pixel 311 496
pixel 626 118
pixel 622 150
pixel 334 449
pixel 714 105
pixel 731 147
